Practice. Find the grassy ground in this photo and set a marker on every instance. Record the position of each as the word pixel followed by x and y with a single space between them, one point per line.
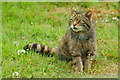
pixel 0 41
pixel 45 23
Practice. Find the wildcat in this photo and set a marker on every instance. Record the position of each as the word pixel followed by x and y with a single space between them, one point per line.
pixel 78 45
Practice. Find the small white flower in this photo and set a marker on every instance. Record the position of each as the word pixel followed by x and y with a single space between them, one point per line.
pixel 106 20
pixel 15 74
pixel 31 23
pixel 15 43
pixel 39 39
pixel 28 8
pixel 21 51
pixel 114 18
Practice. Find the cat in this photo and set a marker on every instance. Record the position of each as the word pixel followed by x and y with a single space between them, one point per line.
pixel 78 45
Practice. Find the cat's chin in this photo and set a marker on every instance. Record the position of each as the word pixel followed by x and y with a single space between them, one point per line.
pixel 76 30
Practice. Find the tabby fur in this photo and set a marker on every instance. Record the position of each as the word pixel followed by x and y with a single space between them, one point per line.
pixel 78 45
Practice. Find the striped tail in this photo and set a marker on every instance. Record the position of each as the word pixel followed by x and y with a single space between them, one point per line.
pixel 40 48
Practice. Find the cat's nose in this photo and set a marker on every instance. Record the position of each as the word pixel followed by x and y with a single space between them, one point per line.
pixel 75 23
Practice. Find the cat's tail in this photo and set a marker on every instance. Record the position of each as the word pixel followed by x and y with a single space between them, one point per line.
pixel 40 48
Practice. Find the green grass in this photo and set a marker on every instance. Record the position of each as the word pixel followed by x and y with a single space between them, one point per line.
pixel 45 23
pixel 0 41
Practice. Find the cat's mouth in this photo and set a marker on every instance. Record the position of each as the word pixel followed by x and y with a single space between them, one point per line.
pixel 77 29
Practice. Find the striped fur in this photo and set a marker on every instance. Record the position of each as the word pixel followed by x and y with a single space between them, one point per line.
pixel 40 48
pixel 78 45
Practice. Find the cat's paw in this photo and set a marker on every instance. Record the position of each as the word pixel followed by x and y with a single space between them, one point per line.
pixel 78 69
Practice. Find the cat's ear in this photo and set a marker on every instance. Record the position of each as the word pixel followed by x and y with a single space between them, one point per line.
pixel 73 11
pixel 89 15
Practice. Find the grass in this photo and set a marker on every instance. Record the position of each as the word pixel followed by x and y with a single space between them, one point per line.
pixel 0 41
pixel 45 23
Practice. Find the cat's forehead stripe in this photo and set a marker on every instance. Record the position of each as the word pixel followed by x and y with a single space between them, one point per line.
pixel 78 16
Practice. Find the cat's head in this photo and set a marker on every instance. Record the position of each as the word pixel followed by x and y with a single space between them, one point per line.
pixel 80 21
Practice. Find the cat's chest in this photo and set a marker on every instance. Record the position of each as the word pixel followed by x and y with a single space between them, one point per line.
pixel 79 41
pixel 80 38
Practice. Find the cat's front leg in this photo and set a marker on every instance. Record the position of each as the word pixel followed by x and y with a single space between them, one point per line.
pixel 88 62
pixel 89 56
pixel 76 57
pixel 77 63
